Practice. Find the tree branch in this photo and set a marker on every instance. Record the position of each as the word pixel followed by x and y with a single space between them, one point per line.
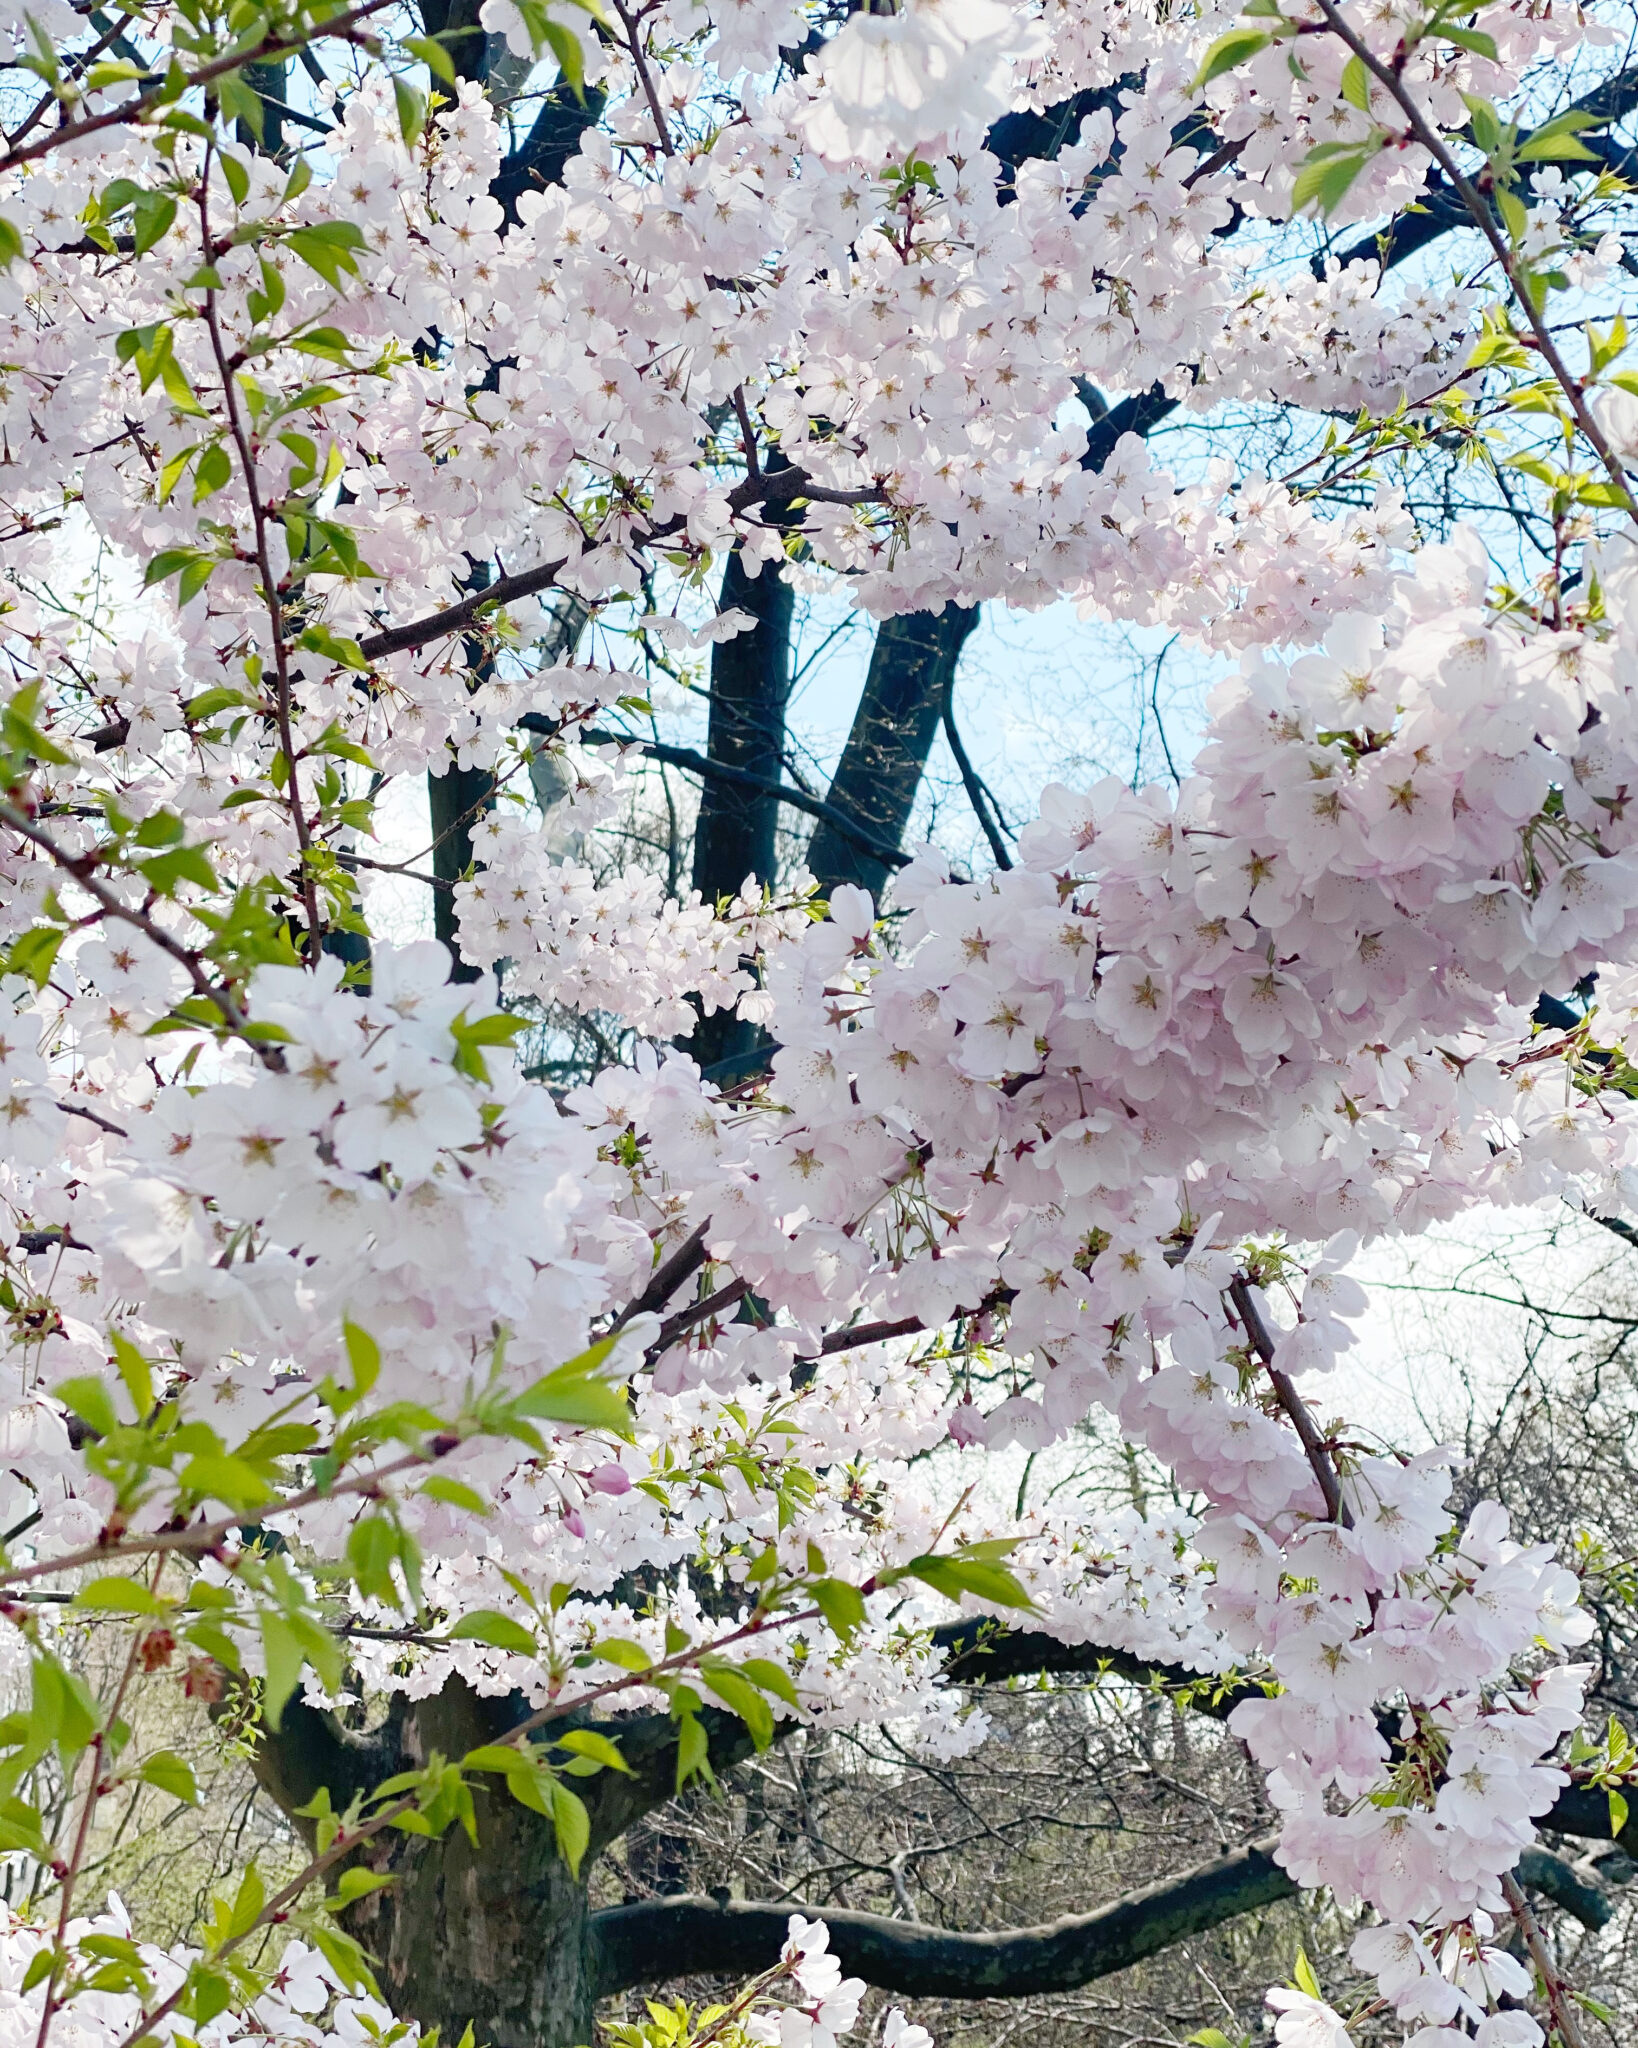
pixel 660 1938
pixel 778 488
pixel 722 771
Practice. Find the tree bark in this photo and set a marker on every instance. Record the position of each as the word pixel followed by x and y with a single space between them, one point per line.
pixel 911 669
pixel 456 800
pixel 750 688
pixel 662 1938
pixel 496 1932
pixel 737 830
pixel 500 1934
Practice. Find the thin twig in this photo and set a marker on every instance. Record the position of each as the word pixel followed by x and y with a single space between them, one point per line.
pixel 270 588
pixel 1434 143
pixel 1262 1341
pixel 1560 2000
pixel 265 52
pixel 82 873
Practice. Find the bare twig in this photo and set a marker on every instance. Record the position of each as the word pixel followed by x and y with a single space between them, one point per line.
pixel 1560 1999
pixel 267 51
pixel 1392 82
pixel 1262 1341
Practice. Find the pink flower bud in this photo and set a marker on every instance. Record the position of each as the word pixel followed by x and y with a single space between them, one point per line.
pixel 966 1425
pixel 610 1479
pixel 573 1523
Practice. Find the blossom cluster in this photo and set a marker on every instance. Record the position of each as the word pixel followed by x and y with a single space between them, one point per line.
pixel 1097 1134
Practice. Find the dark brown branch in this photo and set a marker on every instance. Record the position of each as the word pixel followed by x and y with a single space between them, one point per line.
pixel 980 1651
pixel 661 1938
pixel 776 490
pixel 667 1277
pixel 658 1939
pixel 1262 1341
pixel 698 1312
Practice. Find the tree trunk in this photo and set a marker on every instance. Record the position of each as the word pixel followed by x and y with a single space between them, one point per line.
pixel 736 833
pixel 494 1935
pixel 750 684
pixel 456 800
pixel 911 668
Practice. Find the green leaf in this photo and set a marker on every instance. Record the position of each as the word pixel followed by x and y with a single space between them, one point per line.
pixel 171 475
pixel 152 215
pixel 564 45
pixel 60 1712
pixel 328 248
pixel 169 562
pixel 771 1677
pixel 239 100
pixel 627 1655
pixel 363 1355
pixel 119 1596
pixel 1513 211
pixel 1556 139
pixel 167 872
pixel 982 1577
pixel 283 1654
pixel 740 1697
pixel 575 1394
pixel 34 953
pixel 454 1494
pixel 1304 1979
pixel 172 1774
pixel 1327 173
pixel 213 469
pixel 1556 149
pixel 373 1548
pixel 693 1751
pixel 111 71
pixel 498 1027
pixel 209 1994
pixel 842 1606
pixel 1618 1812
pixel 500 1630
pixel 411 104
pixel 573 1826
pixel 356 1884
pixel 1474 39
pixel 237 175
pixel 1236 46
pixel 89 1399
pixel 21 1827
pixel 1356 85
pixel 433 55
pixel 218 698
pixel 599 1749
pixel 1487 124
pixel 134 1372
pixel 248 1902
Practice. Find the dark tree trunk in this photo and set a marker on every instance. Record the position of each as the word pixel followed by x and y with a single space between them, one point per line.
pixel 496 1933
pixel 493 1933
pixel 456 800
pixel 912 667
pixel 737 831
pixel 750 687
